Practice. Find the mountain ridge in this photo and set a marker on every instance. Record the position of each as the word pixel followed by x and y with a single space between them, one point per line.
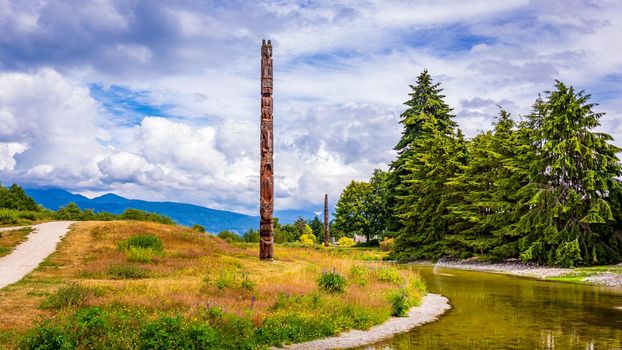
pixel 214 220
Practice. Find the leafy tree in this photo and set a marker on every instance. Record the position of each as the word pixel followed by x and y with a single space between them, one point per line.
pixel 69 212
pixel 318 228
pixel 14 197
pixel 350 211
pixel 251 236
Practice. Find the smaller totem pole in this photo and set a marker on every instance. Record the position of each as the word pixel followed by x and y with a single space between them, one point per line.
pixel 326 220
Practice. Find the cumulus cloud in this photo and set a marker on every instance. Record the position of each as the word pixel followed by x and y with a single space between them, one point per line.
pixel 159 100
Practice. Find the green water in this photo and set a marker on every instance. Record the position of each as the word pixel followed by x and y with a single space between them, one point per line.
pixel 494 311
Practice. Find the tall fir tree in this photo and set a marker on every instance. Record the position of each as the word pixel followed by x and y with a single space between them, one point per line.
pixel 426 100
pixel 427 159
pixel 572 181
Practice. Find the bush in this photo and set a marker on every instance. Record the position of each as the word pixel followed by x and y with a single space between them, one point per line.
pixel 198 228
pixel 251 236
pixel 345 242
pixel 175 333
pixel 387 244
pixel 229 236
pixel 142 241
pixel 139 215
pixel 8 216
pixel 47 336
pixel 125 271
pixel 307 239
pixel 399 304
pixel 332 282
pixel 389 275
pixel 67 296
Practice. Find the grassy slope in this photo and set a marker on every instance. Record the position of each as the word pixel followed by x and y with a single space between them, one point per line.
pixel 196 273
pixel 10 239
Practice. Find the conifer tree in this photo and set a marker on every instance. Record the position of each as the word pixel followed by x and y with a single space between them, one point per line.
pixel 426 100
pixel 426 161
pixel 572 180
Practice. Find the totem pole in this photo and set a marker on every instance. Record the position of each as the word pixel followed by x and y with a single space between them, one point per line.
pixel 266 171
pixel 326 220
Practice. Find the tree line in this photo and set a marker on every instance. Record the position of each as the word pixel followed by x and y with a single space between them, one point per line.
pixel 544 188
pixel 16 207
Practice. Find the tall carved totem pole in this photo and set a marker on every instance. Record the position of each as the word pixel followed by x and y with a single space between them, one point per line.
pixel 326 220
pixel 266 171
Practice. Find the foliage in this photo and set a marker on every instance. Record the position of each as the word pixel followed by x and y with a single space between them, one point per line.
pixel 142 242
pixel 399 304
pixel 251 236
pixel 14 197
pixel 317 228
pixel 387 244
pixel 345 242
pixel 332 282
pixel 307 239
pixel 546 189
pixel 198 228
pixel 229 236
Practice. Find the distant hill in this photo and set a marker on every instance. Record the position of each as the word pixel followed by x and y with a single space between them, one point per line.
pixel 184 214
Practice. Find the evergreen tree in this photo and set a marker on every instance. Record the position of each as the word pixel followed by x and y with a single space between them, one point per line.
pixel 426 100
pixel 318 228
pixel 572 180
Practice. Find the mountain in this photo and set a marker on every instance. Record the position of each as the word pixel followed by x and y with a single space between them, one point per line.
pixel 184 214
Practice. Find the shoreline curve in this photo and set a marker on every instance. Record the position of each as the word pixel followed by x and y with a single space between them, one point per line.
pixel 431 308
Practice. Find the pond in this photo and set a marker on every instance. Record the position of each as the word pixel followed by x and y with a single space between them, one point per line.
pixel 495 311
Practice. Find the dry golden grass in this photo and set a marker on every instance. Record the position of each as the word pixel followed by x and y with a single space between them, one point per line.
pixel 10 239
pixel 186 276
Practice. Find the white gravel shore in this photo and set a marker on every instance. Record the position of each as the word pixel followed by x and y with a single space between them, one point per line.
pixel 431 308
pixel 516 267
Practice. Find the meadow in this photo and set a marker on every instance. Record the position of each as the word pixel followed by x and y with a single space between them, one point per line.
pixel 140 285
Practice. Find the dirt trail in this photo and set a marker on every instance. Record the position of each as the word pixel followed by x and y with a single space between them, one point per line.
pixel 28 255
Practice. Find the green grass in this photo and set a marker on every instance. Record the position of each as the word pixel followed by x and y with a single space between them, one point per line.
pixel 579 274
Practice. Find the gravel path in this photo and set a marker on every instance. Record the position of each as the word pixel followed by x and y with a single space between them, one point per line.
pixel 28 255
pixel 432 306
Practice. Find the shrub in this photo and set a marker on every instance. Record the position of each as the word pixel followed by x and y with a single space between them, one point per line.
pixel 67 296
pixel 387 244
pixel 198 228
pixel 307 239
pixel 47 336
pixel 345 242
pixel 251 236
pixel 399 304
pixel 175 333
pixel 140 215
pixel 143 241
pixel 125 271
pixel 389 275
pixel 8 216
pixel 229 236
pixel 332 282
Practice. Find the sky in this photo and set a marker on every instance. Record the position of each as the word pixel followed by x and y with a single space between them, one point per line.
pixel 159 100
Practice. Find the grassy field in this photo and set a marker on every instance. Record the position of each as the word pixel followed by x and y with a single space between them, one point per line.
pixel 135 285
pixel 10 239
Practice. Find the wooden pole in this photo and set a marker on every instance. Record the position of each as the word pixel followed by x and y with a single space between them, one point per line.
pixel 266 171
pixel 326 220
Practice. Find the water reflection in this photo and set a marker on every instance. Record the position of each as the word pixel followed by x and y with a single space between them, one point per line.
pixel 492 311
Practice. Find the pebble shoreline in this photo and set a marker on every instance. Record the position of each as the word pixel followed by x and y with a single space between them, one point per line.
pixel 431 308
pixel 531 270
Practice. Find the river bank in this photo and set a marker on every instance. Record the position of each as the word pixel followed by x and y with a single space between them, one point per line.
pixel 609 275
pixel 431 308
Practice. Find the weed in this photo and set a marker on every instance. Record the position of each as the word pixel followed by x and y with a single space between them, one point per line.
pixel 67 296
pixel 142 241
pixel 126 271
pixel 332 282
pixel 389 275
